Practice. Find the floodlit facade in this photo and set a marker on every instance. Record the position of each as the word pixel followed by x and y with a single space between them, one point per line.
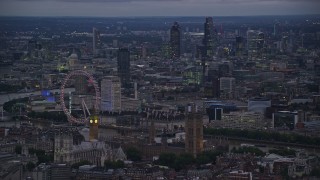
pixel 95 152
pixel 111 94
pixel 242 120
pixel 194 131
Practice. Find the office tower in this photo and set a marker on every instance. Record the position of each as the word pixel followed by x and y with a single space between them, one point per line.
pixel 194 131
pixel 152 132
pixel 111 94
pixel 260 42
pixel 135 90
pixel 212 85
pixel 210 37
pixel 166 50
pixel 175 40
pixel 124 66
pixel 276 29
pixel 285 120
pixel 255 43
pixel 258 104
pixel 227 87
pixel 284 45
pixel 239 46
pixel 96 41
pixel 215 112
pixel 144 52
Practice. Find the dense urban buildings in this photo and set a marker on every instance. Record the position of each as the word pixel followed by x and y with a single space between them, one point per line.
pixel 151 98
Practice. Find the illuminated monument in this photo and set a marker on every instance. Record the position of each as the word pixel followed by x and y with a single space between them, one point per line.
pixel 194 130
pixel 88 117
pixel 93 124
pixel 66 149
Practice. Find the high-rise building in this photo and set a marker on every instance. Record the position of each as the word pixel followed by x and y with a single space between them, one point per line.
pixel 124 66
pixel 111 94
pixel 210 37
pixel 239 46
pixel 258 104
pixel 227 87
pixel 194 130
pixel 212 85
pixel 175 40
pixel 215 113
pixel 285 120
pixel 255 43
pixel 96 41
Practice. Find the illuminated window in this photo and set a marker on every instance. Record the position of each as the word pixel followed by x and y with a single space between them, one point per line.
pixel 91 121
pixel 96 121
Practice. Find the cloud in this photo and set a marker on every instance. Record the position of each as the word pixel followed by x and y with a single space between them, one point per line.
pixel 104 1
pixel 166 1
pixel 105 8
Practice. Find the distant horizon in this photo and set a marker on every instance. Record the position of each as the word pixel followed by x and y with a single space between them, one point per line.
pixel 160 16
pixel 156 8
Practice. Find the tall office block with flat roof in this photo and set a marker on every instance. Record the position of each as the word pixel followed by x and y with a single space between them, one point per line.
pixel 124 66
pixel 96 41
pixel 175 40
pixel 111 94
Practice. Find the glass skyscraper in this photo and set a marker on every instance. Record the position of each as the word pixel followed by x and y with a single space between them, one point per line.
pixel 175 41
pixel 209 40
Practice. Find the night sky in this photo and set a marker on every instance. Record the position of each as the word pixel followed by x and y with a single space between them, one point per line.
pixel 112 8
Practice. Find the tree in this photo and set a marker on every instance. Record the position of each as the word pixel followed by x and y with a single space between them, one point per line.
pixel 207 157
pixel 18 149
pixel 283 152
pixel 58 117
pixel 41 155
pixel 9 106
pixel 166 159
pixel 315 172
pixel 133 154
pixel 252 150
pixel 284 173
pixel 30 166
pixel 177 162
pixel 183 161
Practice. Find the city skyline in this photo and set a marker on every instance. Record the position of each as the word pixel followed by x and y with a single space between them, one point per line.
pixel 124 8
